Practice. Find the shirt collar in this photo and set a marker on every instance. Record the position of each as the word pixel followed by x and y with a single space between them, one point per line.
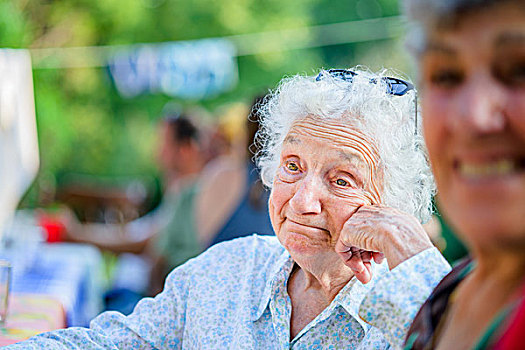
pixel 350 297
pixel 279 275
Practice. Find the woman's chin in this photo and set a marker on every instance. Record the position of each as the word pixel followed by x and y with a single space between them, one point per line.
pixel 504 236
pixel 486 223
pixel 304 245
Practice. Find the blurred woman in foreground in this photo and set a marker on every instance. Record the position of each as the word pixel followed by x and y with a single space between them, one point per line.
pixel 471 55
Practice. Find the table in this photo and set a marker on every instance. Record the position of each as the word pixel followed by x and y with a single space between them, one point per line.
pixel 68 272
pixel 29 315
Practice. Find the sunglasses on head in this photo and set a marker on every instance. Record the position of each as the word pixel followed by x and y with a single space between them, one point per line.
pixel 395 86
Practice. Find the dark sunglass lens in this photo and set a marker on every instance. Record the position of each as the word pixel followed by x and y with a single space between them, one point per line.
pixel 396 86
pixel 343 74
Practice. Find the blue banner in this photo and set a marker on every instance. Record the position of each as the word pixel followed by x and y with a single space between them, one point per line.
pixel 189 69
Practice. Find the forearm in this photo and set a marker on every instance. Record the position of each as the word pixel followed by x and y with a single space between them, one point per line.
pixel 109 237
pixel 71 339
pixel 154 324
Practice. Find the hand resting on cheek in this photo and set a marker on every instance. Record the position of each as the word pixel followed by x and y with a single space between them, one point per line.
pixel 377 232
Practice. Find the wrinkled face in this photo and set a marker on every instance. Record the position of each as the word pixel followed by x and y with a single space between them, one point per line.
pixel 473 80
pixel 327 171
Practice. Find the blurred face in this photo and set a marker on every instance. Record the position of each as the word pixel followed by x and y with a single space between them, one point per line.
pixel 168 149
pixel 473 80
pixel 327 171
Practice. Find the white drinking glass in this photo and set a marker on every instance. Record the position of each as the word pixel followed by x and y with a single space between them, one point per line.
pixel 5 284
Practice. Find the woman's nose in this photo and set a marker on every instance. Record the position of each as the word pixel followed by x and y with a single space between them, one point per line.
pixel 481 106
pixel 306 199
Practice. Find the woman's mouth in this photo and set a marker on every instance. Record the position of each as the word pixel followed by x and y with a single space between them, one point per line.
pixel 488 169
pixel 305 225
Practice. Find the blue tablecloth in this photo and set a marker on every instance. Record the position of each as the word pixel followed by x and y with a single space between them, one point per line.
pixel 69 272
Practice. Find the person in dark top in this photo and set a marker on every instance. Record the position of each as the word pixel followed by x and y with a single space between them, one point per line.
pixel 242 209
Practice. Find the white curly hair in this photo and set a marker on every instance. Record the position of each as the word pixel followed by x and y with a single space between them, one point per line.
pixel 389 120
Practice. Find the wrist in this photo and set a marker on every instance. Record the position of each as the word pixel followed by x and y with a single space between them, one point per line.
pixel 399 251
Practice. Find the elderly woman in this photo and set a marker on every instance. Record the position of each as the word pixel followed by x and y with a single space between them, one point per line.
pixel 471 55
pixel 343 156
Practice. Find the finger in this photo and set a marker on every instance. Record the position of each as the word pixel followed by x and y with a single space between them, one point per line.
pixel 359 229
pixel 378 257
pixel 366 256
pixel 342 247
pixel 367 275
pixel 355 262
pixel 345 256
pixel 361 270
pixel 343 250
pixel 368 210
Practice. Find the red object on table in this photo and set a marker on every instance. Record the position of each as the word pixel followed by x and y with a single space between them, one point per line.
pixel 54 228
pixel 30 314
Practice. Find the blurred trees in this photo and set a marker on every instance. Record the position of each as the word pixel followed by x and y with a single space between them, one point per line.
pixel 85 126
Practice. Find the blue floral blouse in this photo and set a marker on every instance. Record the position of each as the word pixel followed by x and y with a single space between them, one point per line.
pixel 234 296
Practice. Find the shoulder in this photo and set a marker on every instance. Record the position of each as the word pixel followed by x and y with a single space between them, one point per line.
pixel 222 183
pixel 254 249
pixel 236 256
pixel 235 271
pixel 221 179
pixel 220 169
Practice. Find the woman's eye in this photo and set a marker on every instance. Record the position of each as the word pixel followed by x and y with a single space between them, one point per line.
pixel 292 166
pixel 512 74
pixel 447 78
pixel 518 75
pixel 341 182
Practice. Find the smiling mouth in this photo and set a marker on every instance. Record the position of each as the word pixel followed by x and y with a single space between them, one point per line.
pixel 490 169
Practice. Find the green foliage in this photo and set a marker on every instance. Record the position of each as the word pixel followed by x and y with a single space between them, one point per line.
pixel 85 126
pixel 14 29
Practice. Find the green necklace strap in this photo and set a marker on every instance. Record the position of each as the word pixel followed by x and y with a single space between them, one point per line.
pixel 488 337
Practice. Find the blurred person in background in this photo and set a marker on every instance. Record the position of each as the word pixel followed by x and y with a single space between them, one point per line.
pixel 226 137
pixel 168 236
pixel 444 238
pixel 471 56
pixel 178 240
pixel 233 201
pixel 338 179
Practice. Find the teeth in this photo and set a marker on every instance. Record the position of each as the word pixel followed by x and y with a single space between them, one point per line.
pixel 497 168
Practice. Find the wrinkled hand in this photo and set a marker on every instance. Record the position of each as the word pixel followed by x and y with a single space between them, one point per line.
pixel 376 232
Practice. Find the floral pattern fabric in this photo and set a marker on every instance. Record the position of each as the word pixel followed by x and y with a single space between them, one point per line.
pixel 234 296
